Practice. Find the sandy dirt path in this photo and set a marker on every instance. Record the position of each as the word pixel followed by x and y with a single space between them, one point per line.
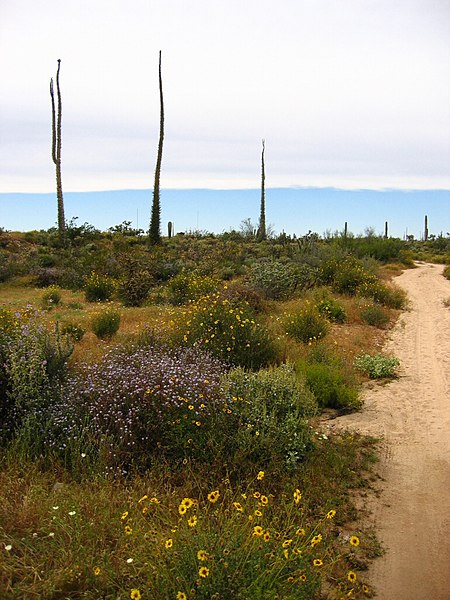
pixel 412 416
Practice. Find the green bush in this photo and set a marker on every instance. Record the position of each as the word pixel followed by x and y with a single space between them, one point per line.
pixel 134 287
pixel 332 310
pixel 345 276
pixel 374 315
pixel 273 279
pixel 446 272
pixel 381 293
pixel 105 324
pixel 51 297
pixel 226 328
pixel 185 287
pixel 76 332
pixel 99 288
pixel 329 386
pixel 306 325
pixel 377 366
pixel 272 406
pixel 33 361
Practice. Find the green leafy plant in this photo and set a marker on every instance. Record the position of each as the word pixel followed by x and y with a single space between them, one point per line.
pixel 377 366
pixel 374 315
pixel 99 288
pixel 328 385
pixel 51 297
pixel 381 293
pixel 274 279
pixel 75 331
pixel 332 310
pixel 307 325
pixel 106 323
pixel 272 406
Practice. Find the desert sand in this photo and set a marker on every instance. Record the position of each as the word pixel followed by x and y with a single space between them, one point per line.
pixel 411 415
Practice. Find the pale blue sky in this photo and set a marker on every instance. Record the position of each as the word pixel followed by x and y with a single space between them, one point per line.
pixel 292 210
pixel 347 93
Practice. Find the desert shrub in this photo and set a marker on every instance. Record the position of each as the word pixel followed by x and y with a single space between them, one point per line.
pixel 51 297
pixel 106 323
pixel 99 288
pixel 307 325
pixel 136 278
pixel 446 272
pixel 377 366
pixel 275 280
pixel 134 287
pixel 349 276
pixel 239 291
pixel 228 329
pixel 329 386
pixel 332 310
pixel 32 362
pixel 381 293
pixel 187 286
pixel 74 330
pixel 374 315
pixel 272 406
pixel 140 403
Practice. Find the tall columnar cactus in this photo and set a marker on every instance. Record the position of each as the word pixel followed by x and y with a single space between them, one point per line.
pixel 155 222
pixel 386 229
pixel 426 228
pixel 56 151
pixel 345 229
pixel 261 235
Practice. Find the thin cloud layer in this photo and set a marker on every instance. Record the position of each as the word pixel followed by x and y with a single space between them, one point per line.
pixel 346 94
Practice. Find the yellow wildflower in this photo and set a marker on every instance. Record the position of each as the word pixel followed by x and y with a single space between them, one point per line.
pixel 258 531
pixel 202 555
pixel 213 496
pixel 192 521
pixel 203 572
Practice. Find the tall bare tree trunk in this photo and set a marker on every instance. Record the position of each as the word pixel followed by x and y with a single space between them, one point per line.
pixel 56 151
pixel 155 222
pixel 261 235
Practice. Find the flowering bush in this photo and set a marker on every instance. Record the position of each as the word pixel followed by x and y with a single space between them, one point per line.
pixel 51 297
pixel 140 403
pixel 388 296
pixel 345 276
pixel 332 310
pixel 306 325
pixel 244 543
pixel 187 286
pixel 227 328
pixel 99 288
pixel 106 323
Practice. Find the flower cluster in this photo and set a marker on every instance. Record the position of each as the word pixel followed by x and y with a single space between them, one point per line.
pixel 235 542
pixel 139 402
pixel 228 329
